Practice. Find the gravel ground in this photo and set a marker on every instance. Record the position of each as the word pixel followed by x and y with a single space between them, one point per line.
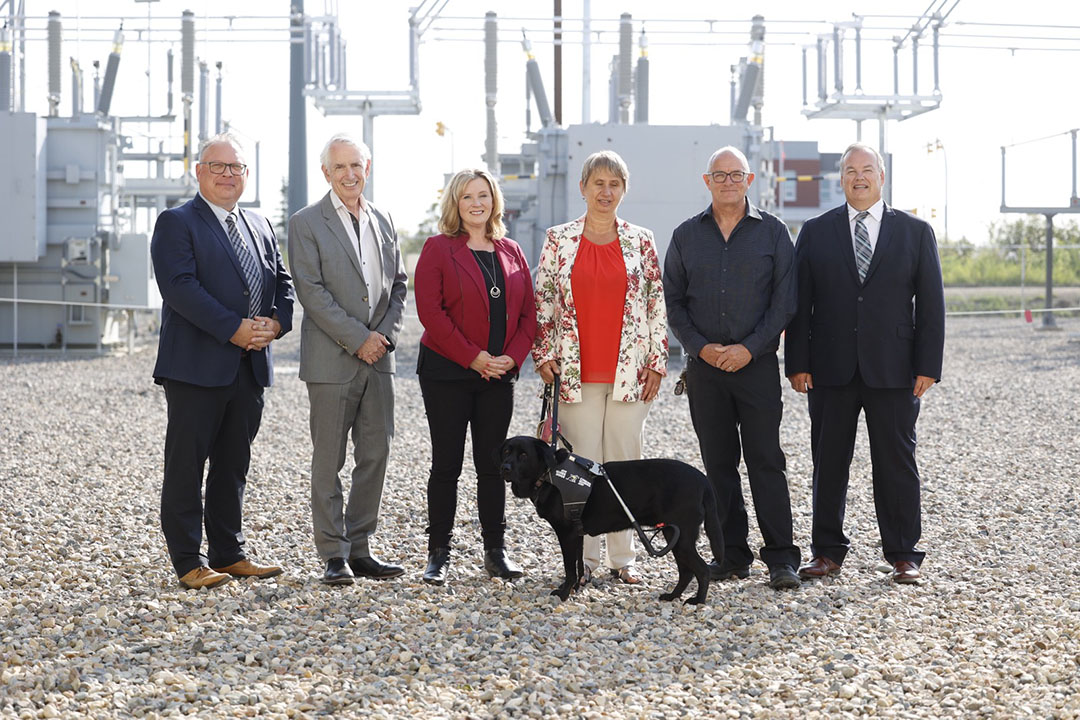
pixel 93 623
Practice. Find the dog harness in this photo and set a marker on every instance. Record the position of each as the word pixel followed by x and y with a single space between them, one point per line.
pixel 574 478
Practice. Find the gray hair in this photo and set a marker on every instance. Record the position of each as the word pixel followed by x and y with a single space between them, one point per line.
pixel 606 160
pixel 865 148
pixel 344 139
pixel 224 138
pixel 729 150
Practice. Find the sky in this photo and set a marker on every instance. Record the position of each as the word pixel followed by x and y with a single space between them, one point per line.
pixel 989 97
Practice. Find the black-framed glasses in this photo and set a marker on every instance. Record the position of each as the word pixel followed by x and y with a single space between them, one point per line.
pixel 218 168
pixel 737 176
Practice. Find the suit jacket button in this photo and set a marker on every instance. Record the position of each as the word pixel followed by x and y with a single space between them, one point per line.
pixel 247 292
pixel 860 298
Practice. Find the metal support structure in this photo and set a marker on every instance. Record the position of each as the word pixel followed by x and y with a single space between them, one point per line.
pixel 586 63
pixel 1048 322
pixel 558 60
pixel 217 102
pixel 297 111
pixel 641 83
pixel 54 38
pixel 625 87
pixel 491 94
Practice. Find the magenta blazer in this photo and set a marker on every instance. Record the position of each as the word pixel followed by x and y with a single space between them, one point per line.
pixel 453 304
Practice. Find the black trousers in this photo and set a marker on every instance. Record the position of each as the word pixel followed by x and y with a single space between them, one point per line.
pixel 219 424
pixel 723 407
pixel 452 406
pixel 890 424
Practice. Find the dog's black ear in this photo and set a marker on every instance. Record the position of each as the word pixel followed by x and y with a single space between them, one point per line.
pixel 560 455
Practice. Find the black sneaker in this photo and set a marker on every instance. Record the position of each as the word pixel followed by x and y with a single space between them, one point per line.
pixel 783 577
pixel 725 570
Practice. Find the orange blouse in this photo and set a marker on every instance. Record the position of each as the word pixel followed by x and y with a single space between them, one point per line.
pixel 598 282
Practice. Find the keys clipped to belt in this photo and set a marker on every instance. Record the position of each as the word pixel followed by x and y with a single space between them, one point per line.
pixel 680 385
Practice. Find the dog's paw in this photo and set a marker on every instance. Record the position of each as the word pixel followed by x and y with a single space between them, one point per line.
pixel 693 601
pixel 561 592
pixel 668 597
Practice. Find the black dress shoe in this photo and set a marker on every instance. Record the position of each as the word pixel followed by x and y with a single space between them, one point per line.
pixel 783 577
pixel 372 567
pixel 438 564
pixel 500 566
pixel 337 572
pixel 725 570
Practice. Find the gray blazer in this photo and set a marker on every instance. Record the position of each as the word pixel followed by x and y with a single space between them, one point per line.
pixel 330 286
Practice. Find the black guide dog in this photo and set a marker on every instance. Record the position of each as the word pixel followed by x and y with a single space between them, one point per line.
pixel 657 492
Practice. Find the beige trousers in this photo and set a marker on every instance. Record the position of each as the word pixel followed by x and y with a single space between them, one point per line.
pixel 603 429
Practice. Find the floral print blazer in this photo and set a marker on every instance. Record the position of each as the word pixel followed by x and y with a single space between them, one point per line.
pixel 643 343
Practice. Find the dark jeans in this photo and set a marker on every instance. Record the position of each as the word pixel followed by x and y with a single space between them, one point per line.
pixel 219 424
pixel 890 424
pixel 451 407
pixel 724 406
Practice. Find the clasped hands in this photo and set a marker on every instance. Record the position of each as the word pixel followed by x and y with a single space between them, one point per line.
pixel 256 333
pixel 373 348
pixel 729 358
pixel 490 367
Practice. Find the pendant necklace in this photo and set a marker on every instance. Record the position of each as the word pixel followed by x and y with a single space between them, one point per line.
pixel 494 292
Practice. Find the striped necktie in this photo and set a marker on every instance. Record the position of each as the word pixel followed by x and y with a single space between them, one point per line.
pixel 863 251
pixel 252 271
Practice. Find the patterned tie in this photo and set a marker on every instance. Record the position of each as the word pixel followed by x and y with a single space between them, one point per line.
pixel 252 272
pixel 863 251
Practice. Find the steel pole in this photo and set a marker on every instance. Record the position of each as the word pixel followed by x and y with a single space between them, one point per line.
pixel 297 111
pixel 1048 316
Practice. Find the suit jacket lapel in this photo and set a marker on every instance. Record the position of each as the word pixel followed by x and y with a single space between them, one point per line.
pixel 337 229
pixel 847 246
pixel 208 217
pixel 883 240
pixel 387 252
pixel 464 259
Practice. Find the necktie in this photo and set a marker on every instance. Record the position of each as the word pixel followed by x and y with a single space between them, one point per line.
pixel 863 251
pixel 252 271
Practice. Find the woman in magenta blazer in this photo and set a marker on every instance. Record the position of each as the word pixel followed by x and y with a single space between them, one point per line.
pixel 474 296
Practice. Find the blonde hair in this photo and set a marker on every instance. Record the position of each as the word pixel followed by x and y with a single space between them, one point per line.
pixel 450 218
pixel 606 160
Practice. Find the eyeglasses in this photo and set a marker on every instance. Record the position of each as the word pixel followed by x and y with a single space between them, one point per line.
pixel 218 168
pixel 737 176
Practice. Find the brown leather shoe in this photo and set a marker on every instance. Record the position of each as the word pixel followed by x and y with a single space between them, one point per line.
pixel 906 572
pixel 819 567
pixel 203 577
pixel 245 568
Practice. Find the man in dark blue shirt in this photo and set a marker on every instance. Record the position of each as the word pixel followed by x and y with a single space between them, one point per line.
pixel 729 283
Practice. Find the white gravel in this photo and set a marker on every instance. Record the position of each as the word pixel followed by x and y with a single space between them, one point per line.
pixel 93 623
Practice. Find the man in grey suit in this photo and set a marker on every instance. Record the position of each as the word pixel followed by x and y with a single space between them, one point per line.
pixel 349 276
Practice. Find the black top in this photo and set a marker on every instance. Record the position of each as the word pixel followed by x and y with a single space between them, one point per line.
pixel 741 291
pixel 433 366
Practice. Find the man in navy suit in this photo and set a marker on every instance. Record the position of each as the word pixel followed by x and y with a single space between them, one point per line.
pixel 226 296
pixel 868 335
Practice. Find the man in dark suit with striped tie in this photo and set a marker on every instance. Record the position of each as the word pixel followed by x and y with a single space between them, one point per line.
pixel 225 297
pixel 868 335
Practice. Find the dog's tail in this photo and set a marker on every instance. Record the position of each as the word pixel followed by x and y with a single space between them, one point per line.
pixel 714 530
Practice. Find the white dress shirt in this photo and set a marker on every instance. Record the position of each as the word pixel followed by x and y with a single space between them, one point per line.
pixel 871 221
pixel 365 247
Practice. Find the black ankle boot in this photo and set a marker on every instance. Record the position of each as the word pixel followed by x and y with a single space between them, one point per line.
pixel 498 565
pixel 438 563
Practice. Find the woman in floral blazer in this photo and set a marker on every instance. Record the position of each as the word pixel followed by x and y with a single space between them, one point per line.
pixel 602 325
